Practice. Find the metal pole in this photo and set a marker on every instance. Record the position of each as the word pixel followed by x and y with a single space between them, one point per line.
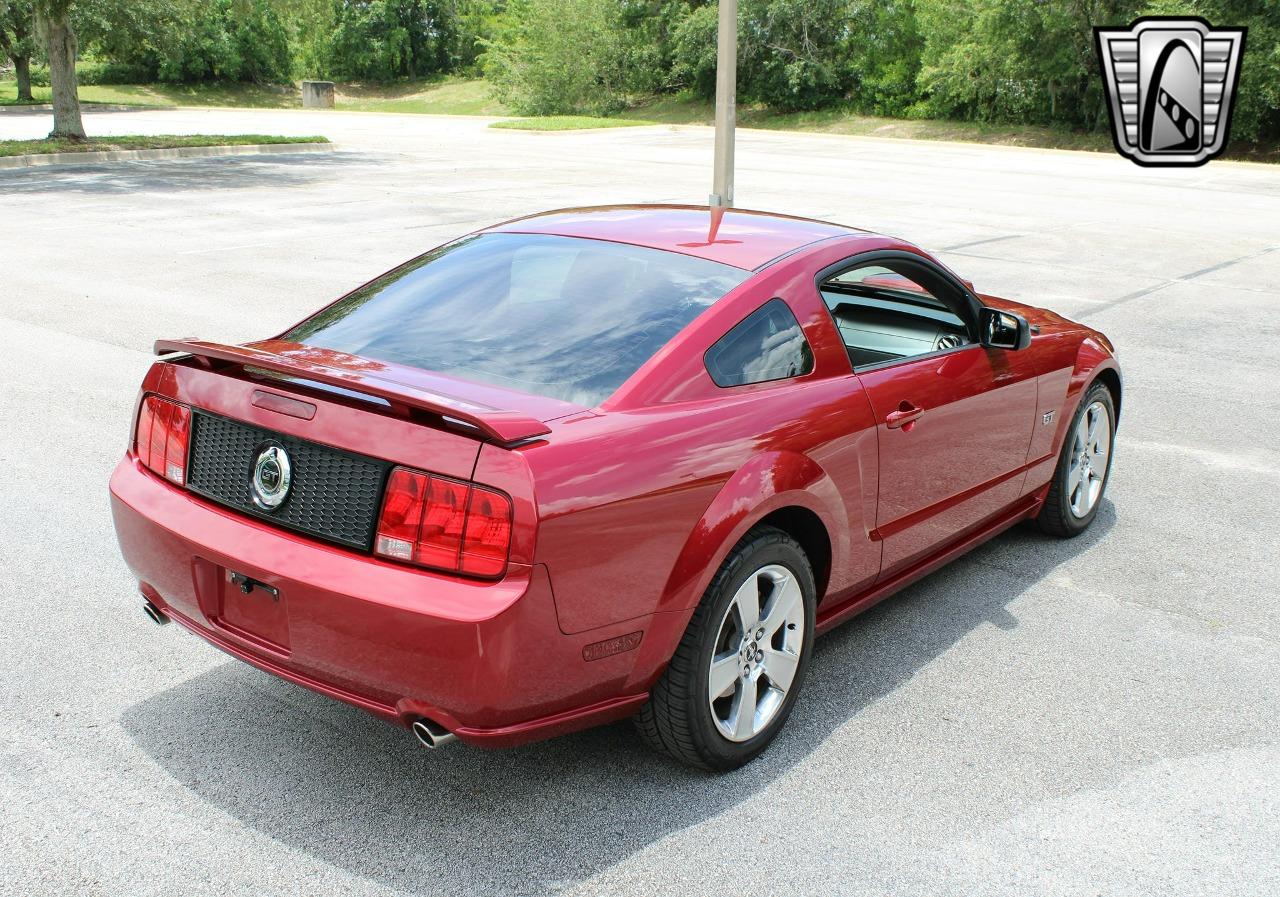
pixel 726 103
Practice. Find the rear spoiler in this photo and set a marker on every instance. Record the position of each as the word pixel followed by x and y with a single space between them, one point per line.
pixel 499 425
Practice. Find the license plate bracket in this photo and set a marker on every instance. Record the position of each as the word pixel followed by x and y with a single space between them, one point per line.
pixel 254 610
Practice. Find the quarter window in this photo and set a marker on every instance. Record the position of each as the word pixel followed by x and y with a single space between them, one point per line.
pixel 767 345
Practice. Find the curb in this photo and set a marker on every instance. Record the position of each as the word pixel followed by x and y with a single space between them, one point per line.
pixel 39 160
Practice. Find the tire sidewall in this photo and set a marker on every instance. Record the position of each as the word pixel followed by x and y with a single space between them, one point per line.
pixel 1097 393
pixel 721 752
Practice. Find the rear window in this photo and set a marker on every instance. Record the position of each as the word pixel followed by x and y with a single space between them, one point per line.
pixel 561 317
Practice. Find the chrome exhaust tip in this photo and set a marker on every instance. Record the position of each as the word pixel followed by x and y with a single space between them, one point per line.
pixel 431 734
pixel 157 616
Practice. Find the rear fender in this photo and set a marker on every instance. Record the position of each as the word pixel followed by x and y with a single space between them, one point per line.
pixel 767 483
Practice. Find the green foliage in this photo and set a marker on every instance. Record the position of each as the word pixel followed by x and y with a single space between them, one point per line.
pixel 1034 61
pixel 648 35
pixel 989 61
pixel 474 23
pixel 17 29
pixel 228 40
pixel 369 41
pixel 188 40
pixel 792 53
pixel 122 32
pixel 558 57
pixel 884 56
pixel 381 40
pixel 1016 60
pixel 694 51
pixel 797 55
pixel 92 73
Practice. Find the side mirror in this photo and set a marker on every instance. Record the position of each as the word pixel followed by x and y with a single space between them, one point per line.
pixel 1003 329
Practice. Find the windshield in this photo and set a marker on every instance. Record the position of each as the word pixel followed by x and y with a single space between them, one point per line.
pixel 561 317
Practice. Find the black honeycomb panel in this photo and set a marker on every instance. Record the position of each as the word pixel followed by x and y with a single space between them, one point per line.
pixel 334 495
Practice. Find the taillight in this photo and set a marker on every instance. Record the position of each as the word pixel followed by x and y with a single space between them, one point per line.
pixel 164 428
pixel 445 524
pixel 488 533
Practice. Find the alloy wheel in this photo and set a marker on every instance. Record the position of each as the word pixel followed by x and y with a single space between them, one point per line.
pixel 1090 450
pixel 757 653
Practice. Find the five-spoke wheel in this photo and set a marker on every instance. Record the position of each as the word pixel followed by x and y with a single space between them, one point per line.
pixel 1075 493
pixel 736 672
pixel 1090 450
pixel 757 653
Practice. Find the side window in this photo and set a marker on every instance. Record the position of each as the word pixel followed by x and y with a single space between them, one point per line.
pixel 890 313
pixel 766 345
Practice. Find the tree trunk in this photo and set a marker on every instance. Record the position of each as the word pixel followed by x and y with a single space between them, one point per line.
pixel 62 78
pixel 22 67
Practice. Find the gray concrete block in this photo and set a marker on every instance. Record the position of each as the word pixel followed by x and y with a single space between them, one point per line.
pixel 317 94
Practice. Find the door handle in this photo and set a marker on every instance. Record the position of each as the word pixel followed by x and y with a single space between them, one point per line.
pixel 905 417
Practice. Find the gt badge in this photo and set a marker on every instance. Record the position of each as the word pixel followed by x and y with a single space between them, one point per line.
pixel 272 476
pixel 1170 83
pixel 1047 417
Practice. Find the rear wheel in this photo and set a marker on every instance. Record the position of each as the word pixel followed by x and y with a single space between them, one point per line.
pixel 734 677
pixel 1083 467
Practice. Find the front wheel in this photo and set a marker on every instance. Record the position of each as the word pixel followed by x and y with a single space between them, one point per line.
pixel 735 675
pixel 1083 467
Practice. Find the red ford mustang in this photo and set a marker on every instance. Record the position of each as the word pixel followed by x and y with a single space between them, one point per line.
pixel 603 463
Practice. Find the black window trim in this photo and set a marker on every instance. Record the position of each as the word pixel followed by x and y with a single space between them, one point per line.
pixel 813 360
pixel 967 312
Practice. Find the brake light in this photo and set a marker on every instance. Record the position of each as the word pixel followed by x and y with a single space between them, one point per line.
pixel 488 534
pixel 444 524
pixel 164 429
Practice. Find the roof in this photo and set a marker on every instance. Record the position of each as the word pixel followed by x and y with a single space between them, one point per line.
pixel 742 238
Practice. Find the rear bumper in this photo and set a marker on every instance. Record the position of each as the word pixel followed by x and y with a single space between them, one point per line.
pixel 486 660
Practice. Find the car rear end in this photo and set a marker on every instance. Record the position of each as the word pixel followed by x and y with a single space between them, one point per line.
pixel 343 588
pixel 366 527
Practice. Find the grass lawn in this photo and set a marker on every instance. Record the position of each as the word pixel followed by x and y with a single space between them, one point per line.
pixel 447 96
pixel 441 96
pixel 685 110
pixel 568 123
pixel 249 95
pixel 163 141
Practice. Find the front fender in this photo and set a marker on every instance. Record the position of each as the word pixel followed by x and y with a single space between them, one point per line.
pixel 1092 358
pixel 768 482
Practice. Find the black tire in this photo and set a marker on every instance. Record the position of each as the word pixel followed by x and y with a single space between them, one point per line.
pixel 1056 517
pixel 677 719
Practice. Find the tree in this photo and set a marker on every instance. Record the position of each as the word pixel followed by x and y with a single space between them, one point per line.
pixel 553 57
pixel 53 23
pixel 883 53
pixel 16 27
pixel 381 40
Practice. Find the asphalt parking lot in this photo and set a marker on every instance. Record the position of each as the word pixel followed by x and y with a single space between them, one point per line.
pixel 1099 716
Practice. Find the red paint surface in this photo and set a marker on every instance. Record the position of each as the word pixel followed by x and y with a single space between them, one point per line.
pixel 735 237
pixel 621 513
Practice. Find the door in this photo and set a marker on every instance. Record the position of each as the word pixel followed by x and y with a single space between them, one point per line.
pixel 954 419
